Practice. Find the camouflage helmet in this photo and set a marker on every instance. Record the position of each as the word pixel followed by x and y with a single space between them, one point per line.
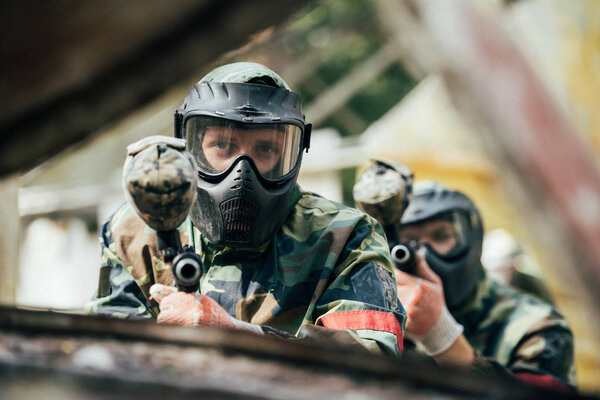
pixel 243 72
pixel 160 178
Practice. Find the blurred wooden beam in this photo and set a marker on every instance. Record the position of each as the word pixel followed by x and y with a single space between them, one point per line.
pixel 343 114
pixel 343 90
pixel 9 240
pixel 83 357
pixel 68 68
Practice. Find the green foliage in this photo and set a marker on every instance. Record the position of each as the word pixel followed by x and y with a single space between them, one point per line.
pixel 331 13
pixel 350 32
pixel 382 94
pixel 344 59
pixel 348 178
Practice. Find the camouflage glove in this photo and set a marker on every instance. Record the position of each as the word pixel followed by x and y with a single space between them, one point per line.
pixel 193 309
pixel 429 324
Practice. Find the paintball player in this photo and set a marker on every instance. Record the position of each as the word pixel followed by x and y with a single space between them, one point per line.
pixel 457 314
pixel 275 259
pixel 505 260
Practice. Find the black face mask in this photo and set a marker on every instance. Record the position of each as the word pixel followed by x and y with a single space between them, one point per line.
pixel 239 211
pixel 459 271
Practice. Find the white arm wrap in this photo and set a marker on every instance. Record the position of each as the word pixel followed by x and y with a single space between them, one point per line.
pixel 443 334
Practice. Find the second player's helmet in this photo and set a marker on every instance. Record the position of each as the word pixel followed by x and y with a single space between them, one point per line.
pixel 246 131
pixel 459 266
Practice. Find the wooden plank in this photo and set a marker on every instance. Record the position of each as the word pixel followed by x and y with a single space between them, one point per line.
pixel 9 240
pixel 336 96
pixel 86 64
pixel 105 357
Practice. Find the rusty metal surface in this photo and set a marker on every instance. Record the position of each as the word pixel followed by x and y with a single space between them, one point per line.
pixel 76 357
pixel 68 68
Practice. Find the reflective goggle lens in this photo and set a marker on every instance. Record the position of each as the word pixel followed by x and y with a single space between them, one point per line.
pixel 216 144
pixel 445 234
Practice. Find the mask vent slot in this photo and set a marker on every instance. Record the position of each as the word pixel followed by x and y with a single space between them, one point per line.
pixel 239 215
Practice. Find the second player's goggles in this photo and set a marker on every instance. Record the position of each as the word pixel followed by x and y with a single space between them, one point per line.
pixel 451 230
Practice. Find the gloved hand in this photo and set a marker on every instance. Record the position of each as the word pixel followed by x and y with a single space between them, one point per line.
pixel 193 309
pixel 429 324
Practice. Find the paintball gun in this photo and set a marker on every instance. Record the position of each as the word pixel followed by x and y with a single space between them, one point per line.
pixel 383 191
pixel 404 256
pixel 159 178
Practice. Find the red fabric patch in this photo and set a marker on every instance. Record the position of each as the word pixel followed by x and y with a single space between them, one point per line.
pixel 542 380
pixel 364 319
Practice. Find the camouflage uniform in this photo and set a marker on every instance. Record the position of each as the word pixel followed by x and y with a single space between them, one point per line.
pixel 327 266
pixel 520 332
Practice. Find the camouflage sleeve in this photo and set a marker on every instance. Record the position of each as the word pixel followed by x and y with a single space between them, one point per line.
pixel 544 356
pixel 538 353
pixel 118 295
pixel 317 335
pixel 361 295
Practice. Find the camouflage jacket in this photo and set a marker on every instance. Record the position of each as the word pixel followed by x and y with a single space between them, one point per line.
pixel 520 332
pixel 327 266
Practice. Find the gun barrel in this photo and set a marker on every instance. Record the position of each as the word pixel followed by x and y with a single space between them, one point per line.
pixel 403 257
pixel 187 270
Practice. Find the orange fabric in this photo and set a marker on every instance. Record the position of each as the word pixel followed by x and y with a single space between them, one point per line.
pixel 422 296
pixel 542 380
pixel 364 319
pixel 423 302
pixel 189 309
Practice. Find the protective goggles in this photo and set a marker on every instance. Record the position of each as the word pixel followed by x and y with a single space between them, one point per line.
pixel 447 234
pixel 217 144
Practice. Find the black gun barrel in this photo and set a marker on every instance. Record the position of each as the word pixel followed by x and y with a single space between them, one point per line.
pixel 404 257
pixel 187 270
pixel 186 265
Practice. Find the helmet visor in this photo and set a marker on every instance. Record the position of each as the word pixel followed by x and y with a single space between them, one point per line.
pixel 216 144
pixel 447 234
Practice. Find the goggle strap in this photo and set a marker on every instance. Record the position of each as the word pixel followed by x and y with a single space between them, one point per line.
pixel 178 124
pixel 306 139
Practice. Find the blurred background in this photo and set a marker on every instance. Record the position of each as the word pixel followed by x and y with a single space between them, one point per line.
pixel 498 99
